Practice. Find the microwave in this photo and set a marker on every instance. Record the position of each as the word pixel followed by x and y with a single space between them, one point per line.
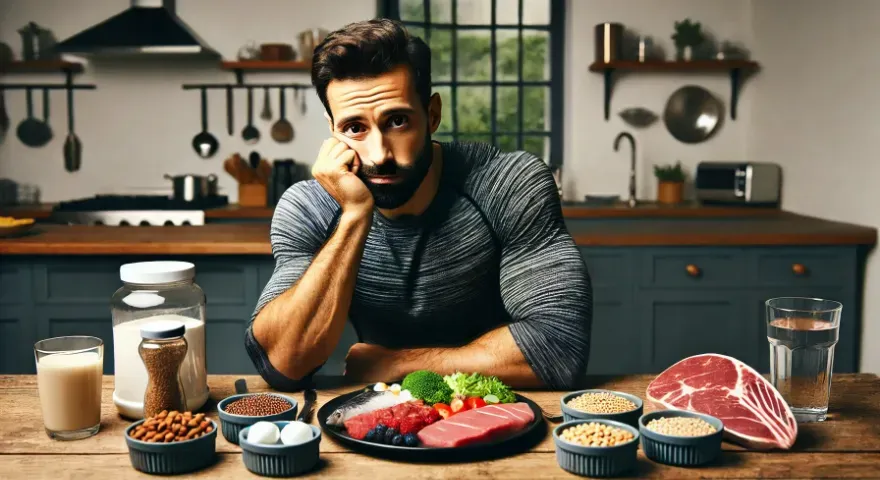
pixel 738 183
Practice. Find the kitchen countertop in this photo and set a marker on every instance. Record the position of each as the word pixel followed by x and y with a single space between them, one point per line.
pixel 253 238
pixel 847 445
pixel 569 210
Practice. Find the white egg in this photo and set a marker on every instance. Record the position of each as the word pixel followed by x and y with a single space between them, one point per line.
pixel 296 432
pixel 380 387
pixel 395 388
pixel 265 433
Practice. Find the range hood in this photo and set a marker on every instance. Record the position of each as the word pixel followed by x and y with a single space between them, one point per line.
pixel 146 27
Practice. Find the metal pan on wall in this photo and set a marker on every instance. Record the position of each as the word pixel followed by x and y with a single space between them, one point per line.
pixel 692 114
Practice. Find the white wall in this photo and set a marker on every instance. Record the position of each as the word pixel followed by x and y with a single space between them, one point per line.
pixel 140 122
pixel 591 164
pixel 816 110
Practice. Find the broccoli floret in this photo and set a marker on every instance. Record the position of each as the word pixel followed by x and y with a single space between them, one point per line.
pixel 428 386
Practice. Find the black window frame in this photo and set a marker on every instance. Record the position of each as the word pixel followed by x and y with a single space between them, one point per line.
pixel 556 31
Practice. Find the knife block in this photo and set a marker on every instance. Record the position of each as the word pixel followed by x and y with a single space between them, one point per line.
pixel 252 194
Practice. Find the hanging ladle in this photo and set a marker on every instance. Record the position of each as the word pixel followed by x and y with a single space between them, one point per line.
pixel 204 143
pixel 72 145
pixel 250 134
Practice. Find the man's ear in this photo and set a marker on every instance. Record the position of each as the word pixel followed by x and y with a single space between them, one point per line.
pixel 435 107
pixel 329 121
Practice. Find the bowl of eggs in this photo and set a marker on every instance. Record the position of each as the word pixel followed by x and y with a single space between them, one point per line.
pixel 280 448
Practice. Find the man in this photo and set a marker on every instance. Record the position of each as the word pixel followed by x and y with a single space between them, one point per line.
pixel 445 256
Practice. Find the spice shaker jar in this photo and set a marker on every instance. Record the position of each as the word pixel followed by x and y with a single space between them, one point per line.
pixel 163 349
pixel 157 291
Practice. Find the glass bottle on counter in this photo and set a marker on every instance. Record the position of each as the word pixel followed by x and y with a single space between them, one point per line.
pixel 163 350
pixel 157 291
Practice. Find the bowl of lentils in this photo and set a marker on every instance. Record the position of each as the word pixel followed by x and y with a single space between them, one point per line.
pixel 237 412
pixel 598 404
pixel 596 448
pixel 681 438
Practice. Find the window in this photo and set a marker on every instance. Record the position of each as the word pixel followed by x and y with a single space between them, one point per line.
pixel 497 64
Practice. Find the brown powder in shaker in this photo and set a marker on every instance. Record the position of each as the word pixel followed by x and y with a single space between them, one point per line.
pixel 162 359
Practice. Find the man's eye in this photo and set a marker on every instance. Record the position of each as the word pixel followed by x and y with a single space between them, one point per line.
pixel 354 128
pixel 398 121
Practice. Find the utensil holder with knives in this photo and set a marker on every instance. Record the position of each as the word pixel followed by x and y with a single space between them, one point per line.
pixel 252 176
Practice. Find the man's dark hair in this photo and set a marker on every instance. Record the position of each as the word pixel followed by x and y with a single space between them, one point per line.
pixel 367 49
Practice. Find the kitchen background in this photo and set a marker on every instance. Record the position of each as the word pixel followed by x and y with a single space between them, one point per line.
pixel 809 109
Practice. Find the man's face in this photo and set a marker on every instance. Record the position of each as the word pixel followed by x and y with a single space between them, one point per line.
pixel 383 120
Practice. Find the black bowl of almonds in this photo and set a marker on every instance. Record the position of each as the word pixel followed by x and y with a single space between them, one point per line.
pixel 680 438
pixel 239 411
pixel 602 404
pixel 171 443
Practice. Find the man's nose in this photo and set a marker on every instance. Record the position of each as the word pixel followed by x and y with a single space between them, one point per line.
pixel 376 149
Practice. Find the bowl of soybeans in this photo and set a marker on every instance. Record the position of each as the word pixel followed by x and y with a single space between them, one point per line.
pixel 171 443
pixel 681 438
pixel 240 411
pixel 596 448
pixel 602 404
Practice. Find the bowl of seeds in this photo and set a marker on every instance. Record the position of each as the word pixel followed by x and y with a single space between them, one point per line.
pixel 596 448
pixel 239 411
pixel 602 404
pixel 680 438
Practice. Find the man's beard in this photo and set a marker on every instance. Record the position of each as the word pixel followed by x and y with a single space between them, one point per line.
pixel 390 196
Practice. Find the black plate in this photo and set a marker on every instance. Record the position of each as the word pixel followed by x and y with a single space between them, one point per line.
pixel 514 443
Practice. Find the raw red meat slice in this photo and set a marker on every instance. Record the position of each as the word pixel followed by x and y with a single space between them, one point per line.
pixel 478 425
pixel 753 412
pixel 407 417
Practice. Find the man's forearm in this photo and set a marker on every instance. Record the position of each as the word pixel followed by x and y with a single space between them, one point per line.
pixel 495 352
pixel 300 328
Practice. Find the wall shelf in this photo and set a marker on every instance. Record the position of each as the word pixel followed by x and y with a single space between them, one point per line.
pixel 734 68
pixel 41 66
pixel 239 67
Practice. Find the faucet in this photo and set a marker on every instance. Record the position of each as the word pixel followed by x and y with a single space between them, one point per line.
pixel 632 166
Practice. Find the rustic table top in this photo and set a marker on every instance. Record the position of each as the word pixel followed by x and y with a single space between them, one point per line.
pixel 847 445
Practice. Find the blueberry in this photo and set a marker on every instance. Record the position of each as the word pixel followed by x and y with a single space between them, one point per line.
pixel 371 436
pixel 397 440
pixel 411 440
pixel 389 435
pixel 380 429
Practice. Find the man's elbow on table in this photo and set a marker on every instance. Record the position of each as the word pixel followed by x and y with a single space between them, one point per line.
pixel 283 371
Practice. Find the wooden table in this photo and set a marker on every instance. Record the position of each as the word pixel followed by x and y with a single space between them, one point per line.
pixel 847 445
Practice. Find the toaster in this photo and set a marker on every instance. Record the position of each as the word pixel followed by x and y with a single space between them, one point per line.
pixel 738 183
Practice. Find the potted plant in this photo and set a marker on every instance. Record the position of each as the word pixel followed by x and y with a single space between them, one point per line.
pixel 670 183
pixel 688 36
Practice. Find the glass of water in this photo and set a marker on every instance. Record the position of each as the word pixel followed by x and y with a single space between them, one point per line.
pixel 802 333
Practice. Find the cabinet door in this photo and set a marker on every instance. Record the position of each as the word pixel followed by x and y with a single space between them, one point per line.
pixel 844 361
pixel 615 333
pixel 17 337
pixel 681 323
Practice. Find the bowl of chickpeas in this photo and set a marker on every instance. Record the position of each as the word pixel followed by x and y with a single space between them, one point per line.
pixel 603 405
pixel 596 448
pixel 681 438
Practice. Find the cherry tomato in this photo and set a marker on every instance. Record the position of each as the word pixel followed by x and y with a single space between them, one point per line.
pixel 457 405
pixel 474 402
pixel 443 410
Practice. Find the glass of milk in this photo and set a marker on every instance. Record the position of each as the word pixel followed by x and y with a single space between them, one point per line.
pixel 69 374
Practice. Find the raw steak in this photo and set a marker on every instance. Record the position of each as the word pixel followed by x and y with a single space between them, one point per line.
pixel 406 418
pixel 753 412
pixel 481 424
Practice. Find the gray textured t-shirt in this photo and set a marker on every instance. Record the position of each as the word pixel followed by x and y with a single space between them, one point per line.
pixel 492 249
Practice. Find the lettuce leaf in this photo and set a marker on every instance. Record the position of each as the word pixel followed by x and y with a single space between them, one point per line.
pixel 477 385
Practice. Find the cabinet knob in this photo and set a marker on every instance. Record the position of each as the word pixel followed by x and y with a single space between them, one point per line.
pixel 693 270
pixel 799 269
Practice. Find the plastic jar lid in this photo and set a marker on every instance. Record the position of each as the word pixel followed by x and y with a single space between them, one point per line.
pixel 155 273
pixel 163 330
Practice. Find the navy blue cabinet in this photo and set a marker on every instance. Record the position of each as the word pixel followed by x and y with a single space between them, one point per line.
pixel 652 306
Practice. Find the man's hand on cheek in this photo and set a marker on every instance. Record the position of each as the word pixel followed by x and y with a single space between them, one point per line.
pixel 336 170
pixel 370 363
